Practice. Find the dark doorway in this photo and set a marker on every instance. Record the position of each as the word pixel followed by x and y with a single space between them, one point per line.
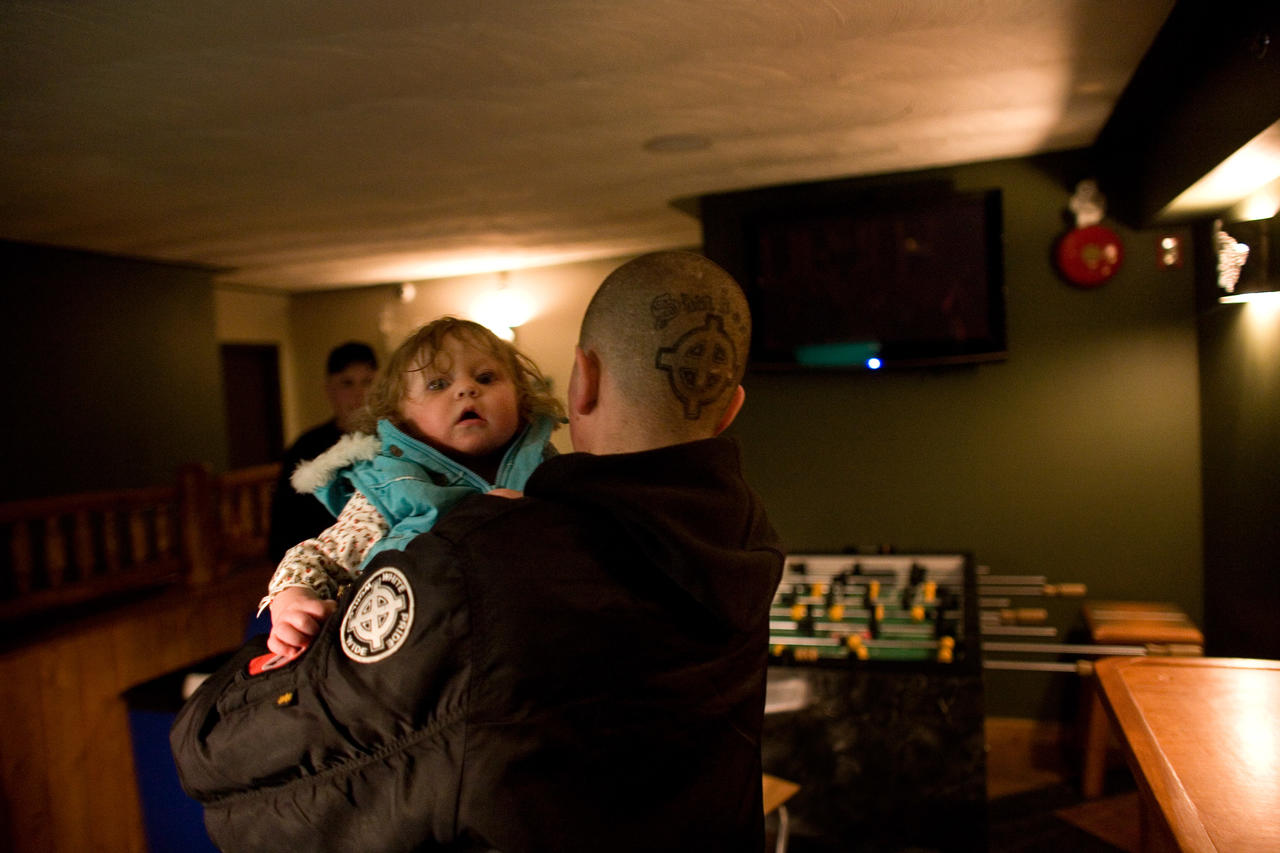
pixel 251 383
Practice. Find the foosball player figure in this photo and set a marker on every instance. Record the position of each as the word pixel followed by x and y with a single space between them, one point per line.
pixel 804 624
pixel 806 654
pixel 834 598
pixel 876 617
pixel 942 626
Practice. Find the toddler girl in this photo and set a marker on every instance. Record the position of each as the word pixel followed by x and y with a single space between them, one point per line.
pixel 458 411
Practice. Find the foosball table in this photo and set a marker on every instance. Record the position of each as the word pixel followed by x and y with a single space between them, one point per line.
pixel 875 701
pixel 875 698
pixel 882 608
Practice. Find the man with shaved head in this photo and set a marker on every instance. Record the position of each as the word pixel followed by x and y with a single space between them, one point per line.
pixel 580 669
pixel 662 350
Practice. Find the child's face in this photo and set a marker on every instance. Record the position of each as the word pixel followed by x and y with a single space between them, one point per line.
pixel 468 408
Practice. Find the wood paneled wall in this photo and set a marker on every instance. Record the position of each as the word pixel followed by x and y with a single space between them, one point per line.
pixel 66 762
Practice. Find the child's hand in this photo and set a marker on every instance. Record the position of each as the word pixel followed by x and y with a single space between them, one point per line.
pixel 505 493
pixel 296 616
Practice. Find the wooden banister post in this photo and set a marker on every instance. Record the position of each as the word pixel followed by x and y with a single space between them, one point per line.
pixel 196 507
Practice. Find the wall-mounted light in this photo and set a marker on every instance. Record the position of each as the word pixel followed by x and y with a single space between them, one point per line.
pixel 502 309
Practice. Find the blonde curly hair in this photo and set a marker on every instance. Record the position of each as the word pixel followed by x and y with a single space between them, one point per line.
pixel 422 350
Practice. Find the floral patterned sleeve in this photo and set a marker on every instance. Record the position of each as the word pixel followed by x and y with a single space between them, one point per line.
pixel 332 558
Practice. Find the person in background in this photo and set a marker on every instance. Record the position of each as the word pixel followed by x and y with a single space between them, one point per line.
pixel 349 374
pixel 579 669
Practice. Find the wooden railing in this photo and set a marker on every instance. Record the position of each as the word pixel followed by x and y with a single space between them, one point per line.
pixel 64 551
pixel 72 641
pixel 244 511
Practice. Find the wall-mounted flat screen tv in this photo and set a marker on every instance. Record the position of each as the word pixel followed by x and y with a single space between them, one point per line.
pixel 854 280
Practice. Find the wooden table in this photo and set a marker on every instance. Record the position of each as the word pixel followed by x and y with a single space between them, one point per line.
pixel 1136 623
pixel 1202 737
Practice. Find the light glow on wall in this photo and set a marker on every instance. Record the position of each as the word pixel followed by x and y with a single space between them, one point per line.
pixel 503 309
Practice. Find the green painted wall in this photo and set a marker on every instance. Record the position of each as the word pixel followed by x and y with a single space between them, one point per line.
pixel 112 376
pixel 1078 458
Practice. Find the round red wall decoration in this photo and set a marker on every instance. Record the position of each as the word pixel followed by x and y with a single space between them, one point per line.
pixel 1089 256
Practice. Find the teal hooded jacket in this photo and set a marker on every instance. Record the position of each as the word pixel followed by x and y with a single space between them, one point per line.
pixel 411 483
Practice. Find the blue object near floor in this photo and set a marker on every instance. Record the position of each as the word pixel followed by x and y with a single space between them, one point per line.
pixel 172 821
pixel 258 625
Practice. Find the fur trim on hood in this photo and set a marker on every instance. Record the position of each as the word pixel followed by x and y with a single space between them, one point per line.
pixel 351 448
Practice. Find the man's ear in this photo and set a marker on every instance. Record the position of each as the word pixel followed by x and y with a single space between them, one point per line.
pixel 731 412
pixel 584 388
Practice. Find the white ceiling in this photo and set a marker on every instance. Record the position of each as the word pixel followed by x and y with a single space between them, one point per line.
pixel 305 145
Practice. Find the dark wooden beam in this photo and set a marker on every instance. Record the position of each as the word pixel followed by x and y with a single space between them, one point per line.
pixel 1209 83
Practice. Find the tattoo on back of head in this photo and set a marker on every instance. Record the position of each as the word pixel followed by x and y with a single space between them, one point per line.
pixel 667 307
pixel 700 366
pixel 664 309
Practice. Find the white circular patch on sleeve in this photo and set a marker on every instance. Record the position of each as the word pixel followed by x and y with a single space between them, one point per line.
pixel 378 619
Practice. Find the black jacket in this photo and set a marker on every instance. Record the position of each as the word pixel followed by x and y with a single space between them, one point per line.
pixel 582 670
pixel 296 517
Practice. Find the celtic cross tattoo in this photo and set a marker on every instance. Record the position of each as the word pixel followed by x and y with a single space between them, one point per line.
pixel 700 366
